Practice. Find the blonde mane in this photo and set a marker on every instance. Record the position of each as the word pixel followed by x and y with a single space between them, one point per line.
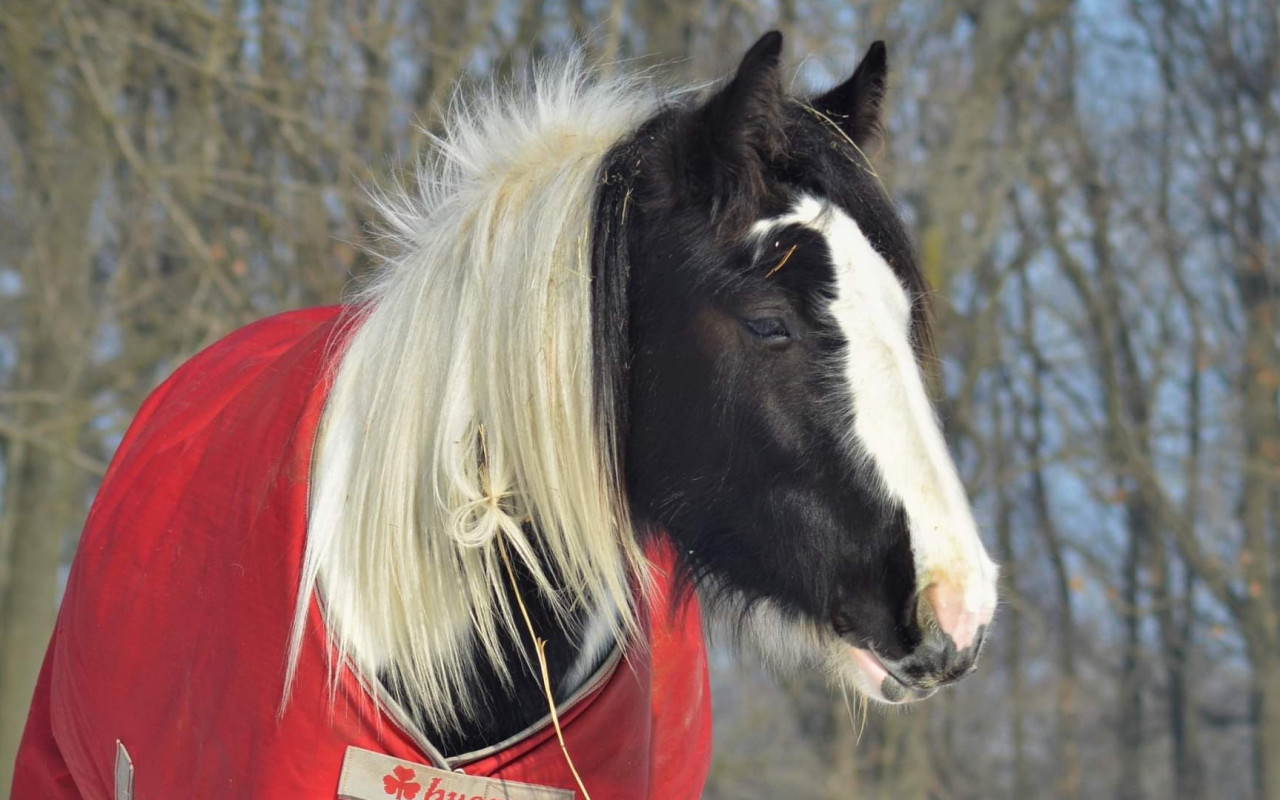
pixel 465 403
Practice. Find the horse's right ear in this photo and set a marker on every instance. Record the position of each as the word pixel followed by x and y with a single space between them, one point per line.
pixel 741 128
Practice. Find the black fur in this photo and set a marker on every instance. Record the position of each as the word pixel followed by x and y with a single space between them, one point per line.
pixel 730 440
pixel 506 709
pixel 733 442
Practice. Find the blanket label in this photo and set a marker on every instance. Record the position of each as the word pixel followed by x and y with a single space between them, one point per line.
pixel 124 773
pixel 372 776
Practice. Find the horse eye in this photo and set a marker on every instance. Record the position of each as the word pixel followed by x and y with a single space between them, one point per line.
pixel 771 329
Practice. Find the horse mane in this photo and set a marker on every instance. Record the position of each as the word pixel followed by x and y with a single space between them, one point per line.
pixel 465 407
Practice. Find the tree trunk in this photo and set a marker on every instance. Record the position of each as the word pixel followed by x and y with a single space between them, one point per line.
pixel 1266 724
pixel 1129 729
pixel 1068 681
pixel 39 493
pixel 1184 720
pixel 1260 376
pixel 1012 621
pixel 44 490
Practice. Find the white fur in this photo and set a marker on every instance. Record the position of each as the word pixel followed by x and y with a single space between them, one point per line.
pixel 476 333
pixel 788 643
pixel 894 424
pixel 598 637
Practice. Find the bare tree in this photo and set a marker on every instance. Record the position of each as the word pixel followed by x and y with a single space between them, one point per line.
pixel 1093 192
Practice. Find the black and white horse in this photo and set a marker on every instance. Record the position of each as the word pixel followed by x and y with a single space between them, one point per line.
pixel 617 314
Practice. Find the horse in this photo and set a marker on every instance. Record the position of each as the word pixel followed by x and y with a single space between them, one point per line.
pixel 634 355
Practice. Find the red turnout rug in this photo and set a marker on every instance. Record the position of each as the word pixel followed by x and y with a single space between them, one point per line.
pixel 164 674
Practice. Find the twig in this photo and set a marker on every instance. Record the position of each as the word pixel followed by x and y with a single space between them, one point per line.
pixel 188 231
pixel 12 430
pixel 540 647
pixel 781 263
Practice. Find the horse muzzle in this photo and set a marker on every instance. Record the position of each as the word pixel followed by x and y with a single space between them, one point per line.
pixel 952 631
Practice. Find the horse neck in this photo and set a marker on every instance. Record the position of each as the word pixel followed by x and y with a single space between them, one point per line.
pixel 573 657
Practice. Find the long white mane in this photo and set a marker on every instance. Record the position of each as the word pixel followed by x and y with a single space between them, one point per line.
pixel 465 403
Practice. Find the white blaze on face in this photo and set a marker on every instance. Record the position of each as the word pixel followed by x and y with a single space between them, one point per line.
pixel 894 423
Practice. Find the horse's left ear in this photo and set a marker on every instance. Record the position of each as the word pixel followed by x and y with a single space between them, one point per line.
pixel 857 105
pixel 743 120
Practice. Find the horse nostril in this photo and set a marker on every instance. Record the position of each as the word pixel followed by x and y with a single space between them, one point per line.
pixel 936 661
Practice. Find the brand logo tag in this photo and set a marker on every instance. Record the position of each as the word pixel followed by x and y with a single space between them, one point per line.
pixel 372 776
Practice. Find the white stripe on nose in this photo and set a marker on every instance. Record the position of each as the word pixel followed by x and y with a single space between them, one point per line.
pixel 894 422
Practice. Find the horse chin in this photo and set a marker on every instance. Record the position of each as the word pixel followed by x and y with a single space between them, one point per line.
pixel 788 644
pixel 864 671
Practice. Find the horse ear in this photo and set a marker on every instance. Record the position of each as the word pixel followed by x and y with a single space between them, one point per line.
pixel 744 116
pixel 857 104
pixel 742 126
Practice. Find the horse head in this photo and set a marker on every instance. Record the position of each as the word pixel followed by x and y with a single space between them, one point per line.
pixel 779 427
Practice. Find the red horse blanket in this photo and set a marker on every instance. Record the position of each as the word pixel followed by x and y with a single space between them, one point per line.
pixel 164 674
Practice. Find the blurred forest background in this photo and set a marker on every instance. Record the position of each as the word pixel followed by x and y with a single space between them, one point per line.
pixel 1093 189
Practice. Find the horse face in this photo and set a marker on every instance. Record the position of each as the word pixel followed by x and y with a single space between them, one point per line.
pixel 779 430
